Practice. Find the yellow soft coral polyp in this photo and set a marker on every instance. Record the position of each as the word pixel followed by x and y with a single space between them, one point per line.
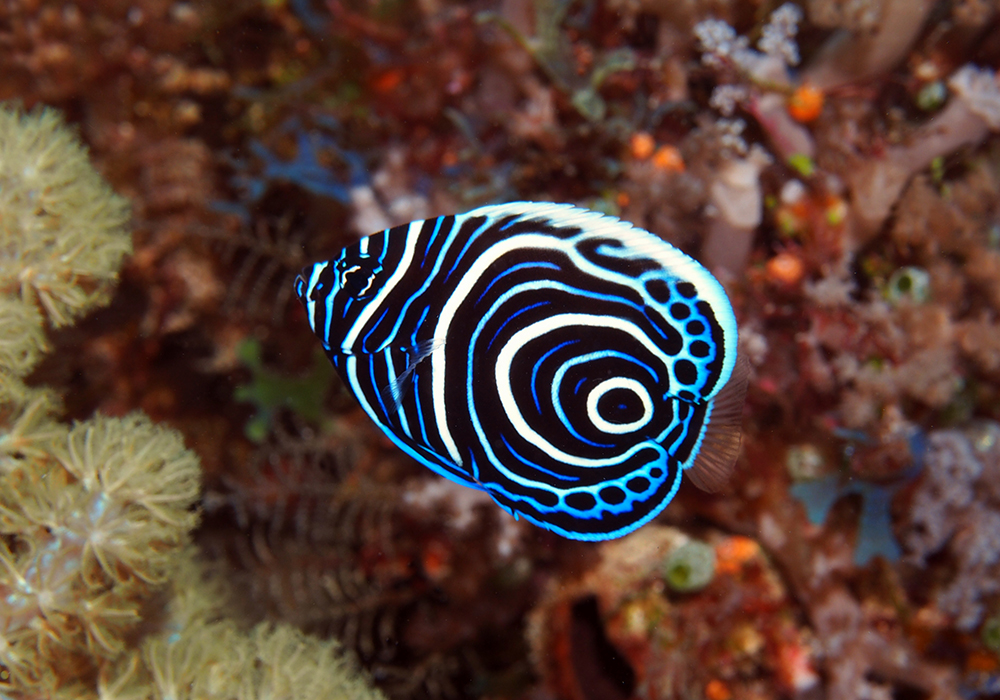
pixel 101 593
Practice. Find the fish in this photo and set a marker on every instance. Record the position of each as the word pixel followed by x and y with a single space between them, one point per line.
pixel 568 363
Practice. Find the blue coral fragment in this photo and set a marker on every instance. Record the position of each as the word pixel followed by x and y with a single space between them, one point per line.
pixel 310 169
pixel 875 536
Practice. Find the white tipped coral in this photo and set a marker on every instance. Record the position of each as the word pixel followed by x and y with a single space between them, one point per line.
pixel 977 88
pixel 100 594
pixel 63 230
pixel 778 35
pixel 22 339
pixel 140 483
pixel 86 529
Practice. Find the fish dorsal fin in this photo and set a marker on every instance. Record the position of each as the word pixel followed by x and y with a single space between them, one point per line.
pixel 720 446
pixel 394 393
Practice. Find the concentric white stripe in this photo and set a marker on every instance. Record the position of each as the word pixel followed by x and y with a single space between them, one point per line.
pixel 441 331
pixel 628 384
pixel 502 375
pixel 637 240
pixel 593 225
pixel 561 215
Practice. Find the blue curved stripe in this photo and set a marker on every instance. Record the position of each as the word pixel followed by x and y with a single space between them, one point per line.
pixel 364 341
pixel 511 318
pixel 468 244
pixel 534 465
pixel 516 268
pixel 538 364
pixel 374 387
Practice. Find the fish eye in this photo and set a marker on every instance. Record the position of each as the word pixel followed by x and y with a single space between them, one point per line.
pixel 358 274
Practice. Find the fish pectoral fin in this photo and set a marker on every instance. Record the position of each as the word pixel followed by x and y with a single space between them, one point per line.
pixel 720 445
pixel 395 392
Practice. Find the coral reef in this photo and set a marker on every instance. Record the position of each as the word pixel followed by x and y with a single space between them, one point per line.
pixel 738 621
pixel 836 161
pixel 955 509
pixel 270 392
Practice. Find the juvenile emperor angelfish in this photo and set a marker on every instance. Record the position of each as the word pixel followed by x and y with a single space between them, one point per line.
pixel 571 365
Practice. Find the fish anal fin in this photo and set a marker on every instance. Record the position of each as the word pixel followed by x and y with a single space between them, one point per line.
pixel 720 445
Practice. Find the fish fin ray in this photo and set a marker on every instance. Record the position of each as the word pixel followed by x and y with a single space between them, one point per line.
pixel 396 391
pixel 720 446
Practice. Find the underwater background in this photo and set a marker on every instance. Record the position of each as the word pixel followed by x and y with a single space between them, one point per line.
pixel 192 505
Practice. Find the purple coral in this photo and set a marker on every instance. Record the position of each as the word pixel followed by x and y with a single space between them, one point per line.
pixel 957 508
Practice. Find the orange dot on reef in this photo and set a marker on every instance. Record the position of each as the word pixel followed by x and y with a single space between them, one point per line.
pixel 717 690
pixel 387 81
pixel 785 268
pixel 806 103
pixel 435 560
pixel 668 158
pixel 733 552
pixel 642 145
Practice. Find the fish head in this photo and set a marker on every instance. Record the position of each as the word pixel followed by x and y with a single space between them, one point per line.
pixel 338 292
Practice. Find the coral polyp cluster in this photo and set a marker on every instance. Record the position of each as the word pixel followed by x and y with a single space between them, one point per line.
pixel 101 592
pixel 63 229
pixel 94 520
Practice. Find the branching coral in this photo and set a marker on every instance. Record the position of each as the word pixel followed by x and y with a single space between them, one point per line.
pixel 875 38
pixel 973 111
pixel 21 336
pixel 550 47
pixel 762 76
pixel 216 660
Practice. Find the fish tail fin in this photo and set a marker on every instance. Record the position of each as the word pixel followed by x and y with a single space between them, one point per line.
pixel 720 445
